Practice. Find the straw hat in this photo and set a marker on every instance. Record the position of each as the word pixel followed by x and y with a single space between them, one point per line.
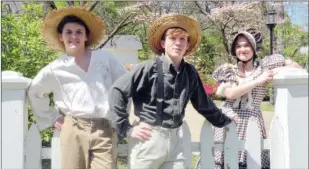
pixel 166 21
pixel 94 23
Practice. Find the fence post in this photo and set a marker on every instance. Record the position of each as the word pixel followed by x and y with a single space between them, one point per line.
pixel 291 120
pixel 14 119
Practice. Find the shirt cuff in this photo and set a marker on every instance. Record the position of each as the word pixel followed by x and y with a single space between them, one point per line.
pixel 231 115
pixel 46 122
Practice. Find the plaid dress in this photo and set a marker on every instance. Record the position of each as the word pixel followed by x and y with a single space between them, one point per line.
pixel 227 74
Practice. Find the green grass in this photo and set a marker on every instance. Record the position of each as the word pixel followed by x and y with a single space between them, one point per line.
pixel 266 106
pixel 194 160
pixel 122 163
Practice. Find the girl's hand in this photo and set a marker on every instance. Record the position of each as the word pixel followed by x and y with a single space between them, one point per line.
pixel 265 77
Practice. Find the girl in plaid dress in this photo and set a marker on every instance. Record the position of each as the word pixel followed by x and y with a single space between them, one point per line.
pixel 231 80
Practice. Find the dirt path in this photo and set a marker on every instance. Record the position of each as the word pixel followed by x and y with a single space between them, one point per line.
pixel 195 121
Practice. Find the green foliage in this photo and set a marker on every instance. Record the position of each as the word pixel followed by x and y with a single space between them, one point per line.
pixel 23 49
pixel 294 38
pixel 269 92
pixel 207 54
pixel 111 13
pixel 61 4
pixel 146 53
pixel 107 10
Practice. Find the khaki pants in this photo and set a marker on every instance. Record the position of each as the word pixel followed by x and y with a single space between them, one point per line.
pixel 86 143
pixel 164 150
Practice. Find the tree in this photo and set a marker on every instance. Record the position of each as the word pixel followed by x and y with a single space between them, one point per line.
pixel 205 58
pixel 117 15
pixel 230 17
pixel 293 39
pixel 23 48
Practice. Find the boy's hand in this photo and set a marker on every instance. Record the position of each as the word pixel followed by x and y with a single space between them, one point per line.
pixel 142 131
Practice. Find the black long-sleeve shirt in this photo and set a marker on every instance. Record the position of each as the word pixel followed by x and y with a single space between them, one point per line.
pixel 179 87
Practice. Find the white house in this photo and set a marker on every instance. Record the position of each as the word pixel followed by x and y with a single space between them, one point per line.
pixel 125 48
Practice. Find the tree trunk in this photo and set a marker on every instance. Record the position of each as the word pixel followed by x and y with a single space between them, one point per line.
pixel 70 3
pixel 51 4
pixel 93 5
pixel 226 46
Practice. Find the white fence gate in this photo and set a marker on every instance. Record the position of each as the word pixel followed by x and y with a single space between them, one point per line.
pixel 206 147
pixel 287 144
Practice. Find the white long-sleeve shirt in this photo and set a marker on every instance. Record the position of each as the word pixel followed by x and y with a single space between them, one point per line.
pixel 75 92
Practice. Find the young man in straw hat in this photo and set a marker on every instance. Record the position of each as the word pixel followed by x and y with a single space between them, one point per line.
pixel 160 89
pixel 80 81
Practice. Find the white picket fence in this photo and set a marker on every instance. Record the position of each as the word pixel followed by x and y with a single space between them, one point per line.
pixel 206 147
pixel 288 137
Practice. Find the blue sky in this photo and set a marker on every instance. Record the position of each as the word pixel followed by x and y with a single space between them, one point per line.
pixel 298 11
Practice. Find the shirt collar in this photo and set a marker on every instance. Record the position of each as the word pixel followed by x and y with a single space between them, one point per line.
pixel 168 65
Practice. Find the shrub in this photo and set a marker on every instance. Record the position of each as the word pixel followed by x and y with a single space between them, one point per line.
pixel 210 85
pixel 269 92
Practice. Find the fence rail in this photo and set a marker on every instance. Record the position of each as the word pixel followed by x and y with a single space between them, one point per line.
pixel 288 135
pixel 206 147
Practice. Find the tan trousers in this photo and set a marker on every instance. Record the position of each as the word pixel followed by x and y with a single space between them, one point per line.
pixel 164 150
pixel 87 143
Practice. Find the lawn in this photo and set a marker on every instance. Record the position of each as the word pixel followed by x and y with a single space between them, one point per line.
pixel 266 106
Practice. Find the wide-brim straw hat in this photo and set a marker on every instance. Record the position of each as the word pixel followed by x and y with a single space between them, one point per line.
pixel 94 23
pixel 159 26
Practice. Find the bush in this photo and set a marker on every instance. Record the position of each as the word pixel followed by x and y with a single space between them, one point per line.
pixel 269 92
pixel 24 49
pixel 210 86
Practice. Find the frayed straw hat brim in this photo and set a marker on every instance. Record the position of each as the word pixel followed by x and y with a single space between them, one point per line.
pixel 94 23
pixel 167 21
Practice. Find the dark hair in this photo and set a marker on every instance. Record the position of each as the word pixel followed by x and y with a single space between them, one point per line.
pixel 71 19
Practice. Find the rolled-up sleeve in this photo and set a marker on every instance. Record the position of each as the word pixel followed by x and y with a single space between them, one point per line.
pixel 44 114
